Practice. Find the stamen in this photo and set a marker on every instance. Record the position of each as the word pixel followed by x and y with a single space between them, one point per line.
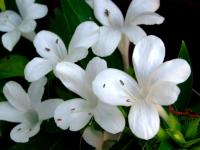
pixel 107 12
pixel 47 49
pixel 56 41
pixel 104 85
pixel 73 109
pixel 19 129
pixel 128 100
pixel 122 83
pixel 59 119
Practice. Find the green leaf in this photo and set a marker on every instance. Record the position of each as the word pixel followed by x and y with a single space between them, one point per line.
pixel 75 12
pixel 2 5
pixel 165 145
pixel 12 66
pixel 192 129
pixel 186 87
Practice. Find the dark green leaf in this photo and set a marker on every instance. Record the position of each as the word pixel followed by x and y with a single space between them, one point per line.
pixel 192 129
pixel 165 145
pixel 12 66
pixel 186 87
pixel 75 12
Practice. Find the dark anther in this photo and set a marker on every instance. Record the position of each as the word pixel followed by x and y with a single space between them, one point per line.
pixel 56 41
pixel 19 129
pixel 59 119
pixel 47 49
pixel 122 83
pixel 72 109
pixel 128 100
pixel 104 85
pixel 89 113
pixel 107 13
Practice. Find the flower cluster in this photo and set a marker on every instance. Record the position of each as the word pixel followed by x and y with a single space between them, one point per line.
pixel 100 90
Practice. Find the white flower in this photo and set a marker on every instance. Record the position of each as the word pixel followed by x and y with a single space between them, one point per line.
pixel 156 85
pixel 111 34
pixel 16 25
pixel 76 113
pixel 99 140
pixel 52 51
pixel 26 109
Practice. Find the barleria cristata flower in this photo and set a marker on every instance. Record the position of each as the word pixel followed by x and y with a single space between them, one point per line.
pixel 76 113
pixel 53 51
pixel 117 31
pixel 16 25
pixel 26 109
pixel 156 85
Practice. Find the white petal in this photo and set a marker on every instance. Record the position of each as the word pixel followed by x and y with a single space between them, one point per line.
pixel 144 120
pixel 163 93
pixel 50 46
pixel 73 114
pixel 9 20
pixel 108 13
pixel 115 87
pixel 152 50
pixel 138 7
pixel 176 71
pixel 37 68
pixel 109 118
pixel 93 137
pixel 107 42
pixel 73 77
pixel 27 8
pixel 134 33
pixel 16 96
pixel 90 3
pixel 47 108
pixel 21 133
pixel 9 113
pixel 85 36
pixel 29 36
pixel 10 39
pixel 27 25
pixel 36 91
pixel 92 70
pixel 148 18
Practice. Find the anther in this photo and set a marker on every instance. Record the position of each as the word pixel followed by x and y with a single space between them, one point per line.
pixel 122 83
pixel 104 85
pixel 47 49
pixel 107 13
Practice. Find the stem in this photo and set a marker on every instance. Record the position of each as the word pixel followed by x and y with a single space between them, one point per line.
pixel 30 36
pixel 163 114
pixel 124 50
pixel 196 92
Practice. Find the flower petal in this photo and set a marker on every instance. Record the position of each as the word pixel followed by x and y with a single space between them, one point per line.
pixel 137 7
pixel 50 46
pixel 144 120
pixel 152 50
pixel 47 108
pixel 27 25
pixel 107 42
pixel 9 113
pixel 16 96
pixel 176 71
pixel 92 70
pixel 115 87
pixel 85 36
pixel 109 118
pixel 163 93
pixel 73 114
pixel 9 20
pixel 37 68
pixel 107 13
pixel 10 39
pixel 27 8
pixel 73 77
pixel 22 132
pixel 148 18
pixel 134 33
pixel 36 91
pixel 93 137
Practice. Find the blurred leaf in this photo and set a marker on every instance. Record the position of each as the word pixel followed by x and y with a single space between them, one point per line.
pixel 192 129
pixel 186 87
pixel 12 66
pixel 75 12
pixel 2 5
pixel 165 145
